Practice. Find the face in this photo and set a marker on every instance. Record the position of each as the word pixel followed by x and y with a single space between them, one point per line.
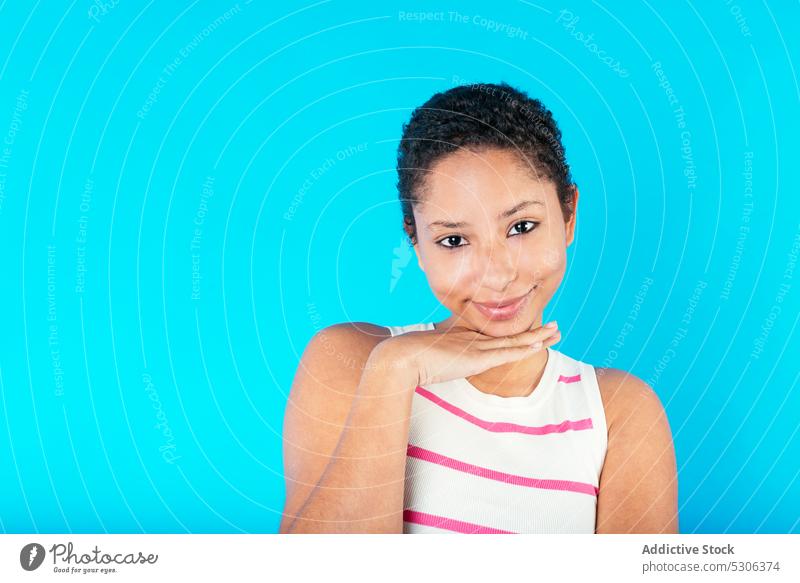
pixel 489 232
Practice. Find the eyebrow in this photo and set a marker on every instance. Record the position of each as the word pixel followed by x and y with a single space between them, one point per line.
pixel 505 214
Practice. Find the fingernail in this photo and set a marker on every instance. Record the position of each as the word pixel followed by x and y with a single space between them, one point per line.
pixel 536 345
pixel 552 324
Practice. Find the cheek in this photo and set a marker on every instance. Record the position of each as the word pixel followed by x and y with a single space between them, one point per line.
pixel 448 275
pixel 544 262
pixel 554 260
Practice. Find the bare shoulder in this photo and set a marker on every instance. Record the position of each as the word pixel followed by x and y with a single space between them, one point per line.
pixel 329 372
pixel 348 342
pixel 335 356
pixel 359 334
pixel 627 398
pixel 330 369
pixel 320 398
pixel 638 483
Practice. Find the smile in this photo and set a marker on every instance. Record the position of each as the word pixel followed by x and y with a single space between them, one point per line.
pixel 504 310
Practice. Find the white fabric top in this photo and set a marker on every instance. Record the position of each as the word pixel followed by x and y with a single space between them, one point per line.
pixel 481 463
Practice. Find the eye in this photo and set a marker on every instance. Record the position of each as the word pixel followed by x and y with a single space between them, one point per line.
pixel 525 230
pixel 521 228
pixel 450 239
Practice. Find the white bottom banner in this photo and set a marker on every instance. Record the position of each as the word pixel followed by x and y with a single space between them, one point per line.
pixel 389 558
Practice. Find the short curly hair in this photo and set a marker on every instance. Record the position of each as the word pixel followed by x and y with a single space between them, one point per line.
pixel 480 116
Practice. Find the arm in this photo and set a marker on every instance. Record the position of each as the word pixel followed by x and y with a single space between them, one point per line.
pixel 345 436
pixel 638 484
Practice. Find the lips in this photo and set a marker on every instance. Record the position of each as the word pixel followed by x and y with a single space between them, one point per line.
pixel 504 310
pixel 503 303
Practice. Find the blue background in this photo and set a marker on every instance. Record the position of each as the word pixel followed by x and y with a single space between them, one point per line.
pixel 187 196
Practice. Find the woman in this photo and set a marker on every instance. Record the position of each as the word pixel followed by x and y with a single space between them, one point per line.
pixel 476 424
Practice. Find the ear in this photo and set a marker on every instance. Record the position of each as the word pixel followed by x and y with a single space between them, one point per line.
pixel 570 226
pixel 415 246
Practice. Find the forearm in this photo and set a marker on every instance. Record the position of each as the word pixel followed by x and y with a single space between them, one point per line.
pixel 361 490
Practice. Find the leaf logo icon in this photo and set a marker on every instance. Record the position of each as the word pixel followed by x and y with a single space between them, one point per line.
pixel 31 556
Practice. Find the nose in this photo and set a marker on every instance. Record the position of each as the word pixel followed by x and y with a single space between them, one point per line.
pixel 497 266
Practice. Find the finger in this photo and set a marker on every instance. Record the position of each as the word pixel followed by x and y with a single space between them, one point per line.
pixel 553 339
pixel 523 339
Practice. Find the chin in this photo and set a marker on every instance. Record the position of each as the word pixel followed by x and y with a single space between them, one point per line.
pixel 510 327
pixel 500 328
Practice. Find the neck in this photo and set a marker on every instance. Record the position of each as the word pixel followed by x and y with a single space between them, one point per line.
pixel 514 379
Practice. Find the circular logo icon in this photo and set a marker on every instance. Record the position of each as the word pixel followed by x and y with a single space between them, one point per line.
pixel 31 556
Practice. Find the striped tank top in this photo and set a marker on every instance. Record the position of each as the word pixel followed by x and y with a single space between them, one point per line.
pixel 481 463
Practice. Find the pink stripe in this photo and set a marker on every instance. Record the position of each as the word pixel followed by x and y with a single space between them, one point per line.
pixel 573 379
pixel 450 523
pixel 443 460
pixel 504 427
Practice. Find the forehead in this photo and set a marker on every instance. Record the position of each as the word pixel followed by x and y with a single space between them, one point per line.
pixel 488 179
